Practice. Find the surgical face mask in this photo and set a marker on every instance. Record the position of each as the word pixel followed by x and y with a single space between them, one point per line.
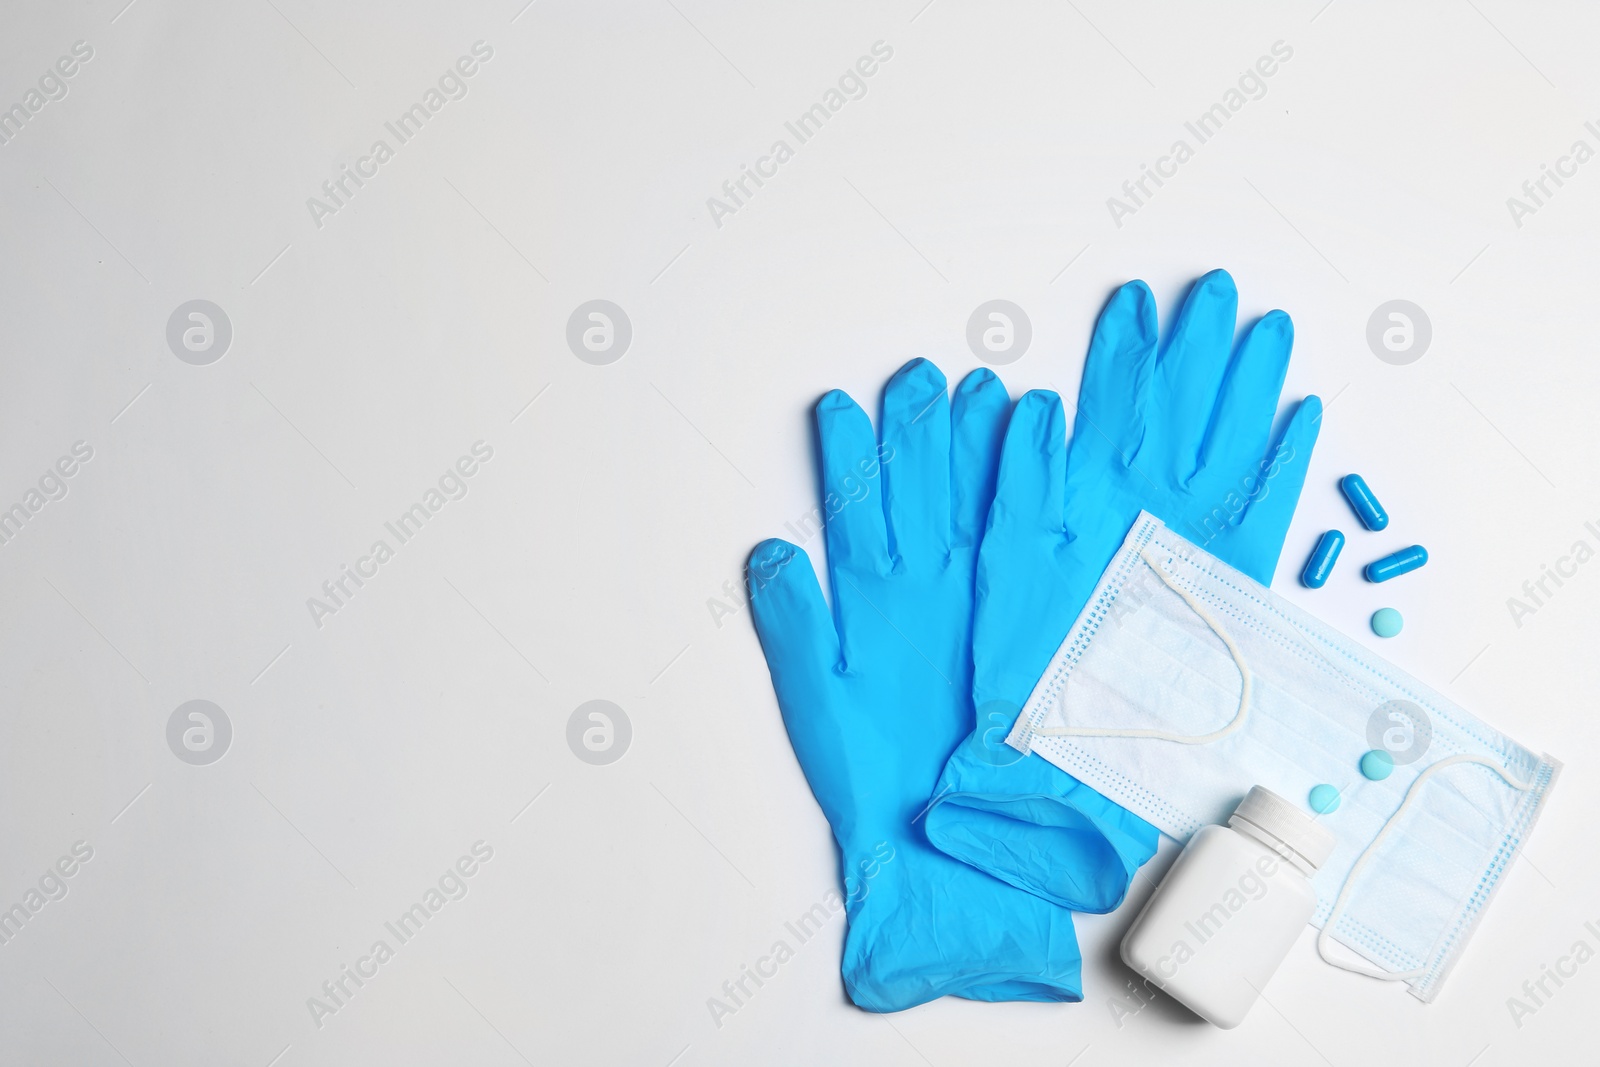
pixel 1183 683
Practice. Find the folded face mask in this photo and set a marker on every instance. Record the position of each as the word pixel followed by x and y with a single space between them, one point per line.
pixel 1183 683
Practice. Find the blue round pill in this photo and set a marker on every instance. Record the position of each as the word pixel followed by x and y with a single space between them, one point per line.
pixel 1386 622
pixel 1324 799
pixel 1377 765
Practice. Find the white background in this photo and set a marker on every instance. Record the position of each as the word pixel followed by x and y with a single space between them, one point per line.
pixel 368 354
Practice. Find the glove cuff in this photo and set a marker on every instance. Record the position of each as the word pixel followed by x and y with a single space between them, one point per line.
pixel 1036 827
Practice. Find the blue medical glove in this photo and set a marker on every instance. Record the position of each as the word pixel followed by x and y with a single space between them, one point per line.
pixel 1180 431
pixel 877 693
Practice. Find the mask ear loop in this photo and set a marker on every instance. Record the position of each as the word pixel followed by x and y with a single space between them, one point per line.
pixel 1164 735
pixel 1325 936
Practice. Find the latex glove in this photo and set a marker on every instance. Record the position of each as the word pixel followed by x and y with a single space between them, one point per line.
pixel 1181 431
pixel 877 693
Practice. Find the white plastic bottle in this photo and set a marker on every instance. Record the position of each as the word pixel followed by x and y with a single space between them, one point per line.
pixel 1228 911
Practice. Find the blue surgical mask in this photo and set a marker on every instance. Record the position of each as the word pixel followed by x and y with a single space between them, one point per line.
pixel 1183 683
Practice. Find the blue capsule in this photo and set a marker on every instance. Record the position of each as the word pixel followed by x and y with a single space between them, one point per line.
pixel 1363 502
pixel 1323 557
pixel 1396 563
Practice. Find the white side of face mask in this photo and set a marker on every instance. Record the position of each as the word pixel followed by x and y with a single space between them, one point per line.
pixel 1183 683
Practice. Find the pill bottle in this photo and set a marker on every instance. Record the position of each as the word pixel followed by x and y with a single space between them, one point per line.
pixel 1228 911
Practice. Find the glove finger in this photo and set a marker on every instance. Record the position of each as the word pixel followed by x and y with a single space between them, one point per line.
pixel 851 503
pixel 1266 519
pixel 1114 401
pixel 1241 426
pixel 1116 378
pixel 1189 371
pixel 794 624
pixel 978 418
pixel 916 462
pixel 1031 485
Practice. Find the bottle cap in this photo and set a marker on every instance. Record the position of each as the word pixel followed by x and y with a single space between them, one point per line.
pixel 1271 815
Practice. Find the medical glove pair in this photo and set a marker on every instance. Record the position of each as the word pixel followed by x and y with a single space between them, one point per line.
pixel 931 634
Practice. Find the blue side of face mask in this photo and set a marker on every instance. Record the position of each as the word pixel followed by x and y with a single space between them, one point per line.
pixel 1181 430
pixel 1185 682
pixel 876 693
